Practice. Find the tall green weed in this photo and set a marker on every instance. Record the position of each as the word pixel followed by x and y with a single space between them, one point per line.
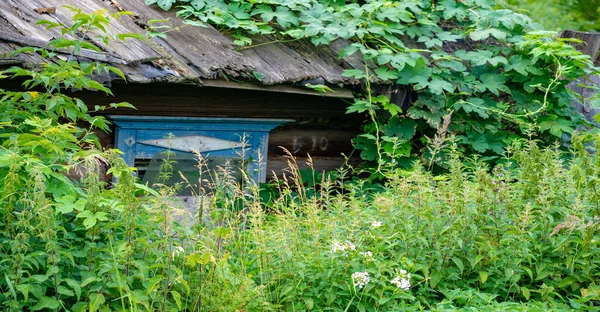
pixel 526 231
pixel 523 236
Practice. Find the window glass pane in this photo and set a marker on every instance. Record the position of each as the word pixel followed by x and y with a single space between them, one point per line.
pixel 213 169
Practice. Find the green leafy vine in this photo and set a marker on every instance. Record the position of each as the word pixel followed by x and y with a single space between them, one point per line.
pixel 499 76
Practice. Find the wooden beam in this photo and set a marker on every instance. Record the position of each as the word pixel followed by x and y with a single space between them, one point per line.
pixel 591 39
pixel 337 93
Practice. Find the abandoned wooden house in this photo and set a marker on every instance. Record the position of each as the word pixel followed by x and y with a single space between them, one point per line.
pixel 192 84
pixel 210 94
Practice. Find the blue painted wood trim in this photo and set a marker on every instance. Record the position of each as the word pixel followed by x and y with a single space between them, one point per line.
pixel 131 129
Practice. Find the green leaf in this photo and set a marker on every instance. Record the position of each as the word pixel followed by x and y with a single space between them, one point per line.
pixel 482 142
pixel 474 105
pixel 124 37
pixel 198 4
pixel 459 264
pixel 483 276
pixel 194 23
pixel 67 204
pixel 96 300
pixel 177 297
pixel 494 83
pixel 435 279
pixel 555 125
pixel 384 73
pixel 266 12
pixel 392 108
pixel 309 302
pixel 481 57
pixel 356 73
pixel 418 75
pixel 89 218
pixel 359 106
pixel 258 75
pixel 165 4
pixel 89 280
pixel 75 286
pixel 402 128
pixel 64 291
pixel 285 17
pixel 521 66
pixel 25 289
pixel 10 286
pixel 526 293
pixel 46 303
pixel 438 86
pixel 483 34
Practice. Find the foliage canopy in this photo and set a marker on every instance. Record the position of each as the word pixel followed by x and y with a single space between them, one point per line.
pixel 561 14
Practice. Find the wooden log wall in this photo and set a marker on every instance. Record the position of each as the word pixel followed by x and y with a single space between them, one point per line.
pixel 321 128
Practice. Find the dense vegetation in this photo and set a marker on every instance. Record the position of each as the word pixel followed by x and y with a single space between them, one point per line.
pixel 468 61
pixel 561 14
pixel 521 236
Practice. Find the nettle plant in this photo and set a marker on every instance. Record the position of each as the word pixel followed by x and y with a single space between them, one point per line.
pixel 485 66
pixel 66 241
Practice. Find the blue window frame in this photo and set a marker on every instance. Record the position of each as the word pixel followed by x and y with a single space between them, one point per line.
pixel 144 137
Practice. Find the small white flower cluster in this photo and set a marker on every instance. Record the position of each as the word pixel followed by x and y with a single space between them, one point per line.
pixel 342 246
pixel 361 279
pixel 376 224
pixel 403 281
pixel 176 251
pixel 368 255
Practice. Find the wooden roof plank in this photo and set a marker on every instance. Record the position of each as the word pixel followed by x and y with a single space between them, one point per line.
pixel 188 53
pixel 22 16
pixel 204 48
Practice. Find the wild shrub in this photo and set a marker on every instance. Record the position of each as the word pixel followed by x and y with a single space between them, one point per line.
pixel 68 242
pixel 526 231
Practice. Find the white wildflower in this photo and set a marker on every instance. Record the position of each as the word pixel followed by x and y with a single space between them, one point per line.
pixel 176 251
pixel 376 224
pixel 368 255
pixel 342 246
pixel 402 281
pixel 361 279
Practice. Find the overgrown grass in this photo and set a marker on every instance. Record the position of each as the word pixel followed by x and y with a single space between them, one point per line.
pixel 521 237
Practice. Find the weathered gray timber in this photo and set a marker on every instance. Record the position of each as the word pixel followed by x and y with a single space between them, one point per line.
pixel 586 87
pixel 189 54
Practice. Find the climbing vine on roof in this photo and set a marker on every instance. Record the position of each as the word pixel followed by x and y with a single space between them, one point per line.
pixel 477 72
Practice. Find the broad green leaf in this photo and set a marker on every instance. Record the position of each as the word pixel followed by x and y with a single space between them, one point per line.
pixel 402 128
pixel 10 286
pixel 285 17
pixel 526 293
pixel 96 301
pixel 384 73
pixel 46 303
pixel 165 4
pixel 494 83
pixel 435 279
pixel 474 105
pixel 356 73
pixel 177 297
pixel 483 276
pixel 75 286
pixel 438 86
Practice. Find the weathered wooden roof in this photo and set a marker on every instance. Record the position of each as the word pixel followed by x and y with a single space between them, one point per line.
pixel 189 54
